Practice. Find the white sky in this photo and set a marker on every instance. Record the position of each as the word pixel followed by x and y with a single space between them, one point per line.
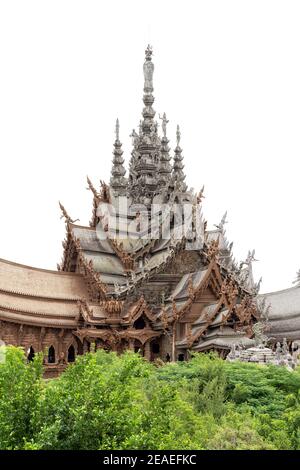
pixel 227 71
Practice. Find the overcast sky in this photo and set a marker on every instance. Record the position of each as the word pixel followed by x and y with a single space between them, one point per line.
pixel 227 71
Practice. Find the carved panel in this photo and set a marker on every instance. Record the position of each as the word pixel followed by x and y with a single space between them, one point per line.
pixel 184 263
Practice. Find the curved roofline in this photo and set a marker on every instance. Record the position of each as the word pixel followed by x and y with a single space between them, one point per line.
pixel 287 289
pixel 60 273
pixel 82 226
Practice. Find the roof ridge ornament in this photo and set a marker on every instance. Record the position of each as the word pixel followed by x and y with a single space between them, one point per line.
pixel 224 221
pixel 92 188
pixel 65 215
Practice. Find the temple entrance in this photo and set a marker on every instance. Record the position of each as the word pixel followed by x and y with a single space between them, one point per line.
pixel 154 349
pixel 51 355
pixel 71 354
pixel 138 347
pixel 31 354
pixel 139 324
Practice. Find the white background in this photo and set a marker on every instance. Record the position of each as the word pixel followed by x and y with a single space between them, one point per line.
pixel 227 71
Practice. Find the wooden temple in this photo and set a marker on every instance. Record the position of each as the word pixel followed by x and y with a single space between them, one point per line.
pixel 127 283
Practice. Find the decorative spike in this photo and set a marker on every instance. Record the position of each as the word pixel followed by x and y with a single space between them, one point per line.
pixel 65 215
pixel 200 195
pixel 221 225
pixel 118 181
pixel 178 175
pixel 92 188
pixel 164 168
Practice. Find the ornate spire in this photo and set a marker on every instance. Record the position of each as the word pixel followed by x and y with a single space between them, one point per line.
pixel 146 144
pixel 164 168
pixel 178 175
pixel 118 181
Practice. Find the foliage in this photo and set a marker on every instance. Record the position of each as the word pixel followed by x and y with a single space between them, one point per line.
pixel 106 401
pixel 20 388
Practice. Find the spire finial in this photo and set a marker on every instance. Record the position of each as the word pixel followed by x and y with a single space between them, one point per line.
pixel 148 52
pixel 118 181
pixel 117 129
pixel 178 135
pixel 148 70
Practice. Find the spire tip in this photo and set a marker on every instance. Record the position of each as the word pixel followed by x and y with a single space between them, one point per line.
pixel 178 135
pixel 117 129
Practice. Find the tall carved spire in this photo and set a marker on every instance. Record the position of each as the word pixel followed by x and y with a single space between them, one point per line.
pixel 146 144
pixel 178 175
pixel 118 181
pixel 164 168
pixel 148 98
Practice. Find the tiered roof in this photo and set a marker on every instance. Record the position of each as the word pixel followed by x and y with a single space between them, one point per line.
pixel 107 278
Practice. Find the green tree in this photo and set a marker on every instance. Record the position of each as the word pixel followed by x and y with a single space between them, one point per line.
pixel 20 390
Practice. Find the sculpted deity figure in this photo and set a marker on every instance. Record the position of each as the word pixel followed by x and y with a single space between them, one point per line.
pixel 285 348
pixel 164 123
pixel 259 337
pixel 278 351
pixel 135 137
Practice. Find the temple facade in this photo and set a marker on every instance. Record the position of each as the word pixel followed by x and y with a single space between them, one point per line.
pixel 146 274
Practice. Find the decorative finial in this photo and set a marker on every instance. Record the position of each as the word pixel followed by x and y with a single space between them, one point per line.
pixel 178 135
pixel 164 123
pixel 200 195
pixel 92 188
pixel 148 52
pixel 148 71
pixel 65 215
pixel 251 257
pixel 224 221
pixel 117 129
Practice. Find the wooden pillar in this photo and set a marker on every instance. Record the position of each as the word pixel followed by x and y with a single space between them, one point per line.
pixel 85 346
pixel 147 350
pixel 60 342
pixel 173 355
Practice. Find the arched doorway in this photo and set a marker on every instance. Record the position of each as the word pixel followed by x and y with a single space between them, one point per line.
pixel 31 354
pixel 139 324
pixel 71 354
pixel 138 347
pixel 51 355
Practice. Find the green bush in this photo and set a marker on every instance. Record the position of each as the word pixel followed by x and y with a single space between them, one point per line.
pixel 106 401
